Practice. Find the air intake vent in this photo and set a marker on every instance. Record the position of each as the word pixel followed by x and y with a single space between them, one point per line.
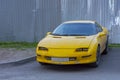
pixel 56 37
pixel 80 37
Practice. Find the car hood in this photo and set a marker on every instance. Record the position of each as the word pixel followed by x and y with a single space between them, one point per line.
pixel 66 41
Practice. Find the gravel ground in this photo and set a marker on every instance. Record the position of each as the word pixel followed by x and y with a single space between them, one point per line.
pixel 12 54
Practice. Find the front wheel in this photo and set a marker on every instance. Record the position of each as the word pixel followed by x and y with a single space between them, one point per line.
pixel 106 49
pixel 43 63
pixel 98 58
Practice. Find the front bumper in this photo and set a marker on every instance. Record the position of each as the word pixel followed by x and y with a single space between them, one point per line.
pixel 86 59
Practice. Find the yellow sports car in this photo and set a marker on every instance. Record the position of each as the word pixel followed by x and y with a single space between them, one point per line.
pixel 74 42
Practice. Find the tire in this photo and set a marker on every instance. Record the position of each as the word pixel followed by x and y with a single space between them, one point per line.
pixel 105 52
pixel 98 58
pixel 43 63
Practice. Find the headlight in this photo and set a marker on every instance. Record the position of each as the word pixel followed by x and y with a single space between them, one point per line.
pixel 43 48
pixel 81 49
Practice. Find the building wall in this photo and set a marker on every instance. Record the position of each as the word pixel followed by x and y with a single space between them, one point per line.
pixel 29 20
pixel 16 20
pixel 105 12
pixel 47 17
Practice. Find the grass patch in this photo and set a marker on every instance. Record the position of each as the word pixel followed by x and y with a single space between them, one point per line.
pixel 114 45
pixel 23 45
pixel 18 45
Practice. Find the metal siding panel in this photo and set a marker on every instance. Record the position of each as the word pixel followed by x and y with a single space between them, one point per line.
pixel 6 32
pixel 29 20
pixel 23 29
pixel 105 12
pixel 48 17
pixel 16 19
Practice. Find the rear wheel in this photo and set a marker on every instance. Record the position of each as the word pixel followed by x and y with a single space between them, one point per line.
pixel 98 58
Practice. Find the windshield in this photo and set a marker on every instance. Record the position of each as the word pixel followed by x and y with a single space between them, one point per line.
pixel 75 29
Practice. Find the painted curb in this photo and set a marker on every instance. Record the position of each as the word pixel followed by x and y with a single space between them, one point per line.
pixel 19 62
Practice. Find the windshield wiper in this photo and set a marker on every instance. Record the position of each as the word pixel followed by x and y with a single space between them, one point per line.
pixel 70 34
pixel 56 34
pixel 78 35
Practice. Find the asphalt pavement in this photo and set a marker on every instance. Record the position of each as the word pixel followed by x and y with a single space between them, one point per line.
pixel 109 69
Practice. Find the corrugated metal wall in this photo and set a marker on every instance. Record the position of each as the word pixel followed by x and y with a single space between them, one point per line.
pixel 47 17
pixel 29 20
pixel 16 19
pixel 105 12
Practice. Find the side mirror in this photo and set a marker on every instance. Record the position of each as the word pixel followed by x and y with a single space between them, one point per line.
pixel 102 34
pixel 48 33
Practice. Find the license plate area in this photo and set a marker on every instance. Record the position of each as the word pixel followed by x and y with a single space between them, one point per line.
pixel 60 59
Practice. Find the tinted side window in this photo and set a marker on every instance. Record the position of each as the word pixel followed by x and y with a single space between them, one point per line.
pixel 99 28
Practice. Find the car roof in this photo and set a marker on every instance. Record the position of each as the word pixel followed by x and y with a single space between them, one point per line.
pixel 80 21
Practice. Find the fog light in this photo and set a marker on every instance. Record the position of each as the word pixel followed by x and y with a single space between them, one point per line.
pixel 72 58
pixel 48 58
